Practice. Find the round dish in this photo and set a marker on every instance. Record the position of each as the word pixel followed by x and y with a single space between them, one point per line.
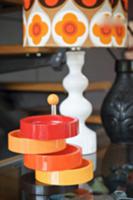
pixel 69 158
pixel 21 145
pixel 49 127
pixel 76 176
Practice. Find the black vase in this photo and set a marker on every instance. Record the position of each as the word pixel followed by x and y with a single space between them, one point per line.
pixel 117 108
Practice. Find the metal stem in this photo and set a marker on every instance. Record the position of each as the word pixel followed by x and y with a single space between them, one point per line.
pixel 53 110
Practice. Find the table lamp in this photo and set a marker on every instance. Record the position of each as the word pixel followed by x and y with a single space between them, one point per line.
pixel 76 24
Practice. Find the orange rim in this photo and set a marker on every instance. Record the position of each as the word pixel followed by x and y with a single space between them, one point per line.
pixel 18 144
pixel 76 176
pixel 69 158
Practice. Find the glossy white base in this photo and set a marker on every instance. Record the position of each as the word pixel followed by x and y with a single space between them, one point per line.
pixel 86 139
pixel 75 104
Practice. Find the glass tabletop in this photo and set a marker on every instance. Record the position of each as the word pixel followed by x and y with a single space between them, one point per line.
pixel 113 164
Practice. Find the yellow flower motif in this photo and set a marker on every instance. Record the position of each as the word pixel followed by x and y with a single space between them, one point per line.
pixel 70 28
pixel 37 29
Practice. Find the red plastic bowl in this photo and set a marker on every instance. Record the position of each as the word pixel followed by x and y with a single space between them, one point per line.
pixel 49 127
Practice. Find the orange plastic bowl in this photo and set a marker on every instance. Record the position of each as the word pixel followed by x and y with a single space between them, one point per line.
pixel 76 176
pixel 18 144
pixel 69 158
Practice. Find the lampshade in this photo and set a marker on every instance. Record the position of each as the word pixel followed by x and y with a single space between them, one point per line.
pixel 75 23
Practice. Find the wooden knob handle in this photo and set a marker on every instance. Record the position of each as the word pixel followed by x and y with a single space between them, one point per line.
pixel 53 99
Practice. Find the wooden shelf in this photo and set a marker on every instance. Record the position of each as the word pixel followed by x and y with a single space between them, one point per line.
pixel 17 49
pixel 52 87
pixel 94 119
pixel 57 87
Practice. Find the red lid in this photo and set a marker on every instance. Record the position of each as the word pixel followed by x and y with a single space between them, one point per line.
pixel 49 127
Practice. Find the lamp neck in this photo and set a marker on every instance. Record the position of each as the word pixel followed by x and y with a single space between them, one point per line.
pixel 76 60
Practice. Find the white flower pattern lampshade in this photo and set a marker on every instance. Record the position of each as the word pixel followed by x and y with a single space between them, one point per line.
pixel 75 23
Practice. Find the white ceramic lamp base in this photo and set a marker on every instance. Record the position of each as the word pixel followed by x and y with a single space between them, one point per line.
pixel 75 104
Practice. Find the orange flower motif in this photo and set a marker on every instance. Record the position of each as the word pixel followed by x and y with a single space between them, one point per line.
pixel 104 32
pixel 119 29
pixel 37 29
pixel 119 32
pixel 27 4
pixel 125 4
pixel 70 28
pixel 89 3
pixel 51 2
